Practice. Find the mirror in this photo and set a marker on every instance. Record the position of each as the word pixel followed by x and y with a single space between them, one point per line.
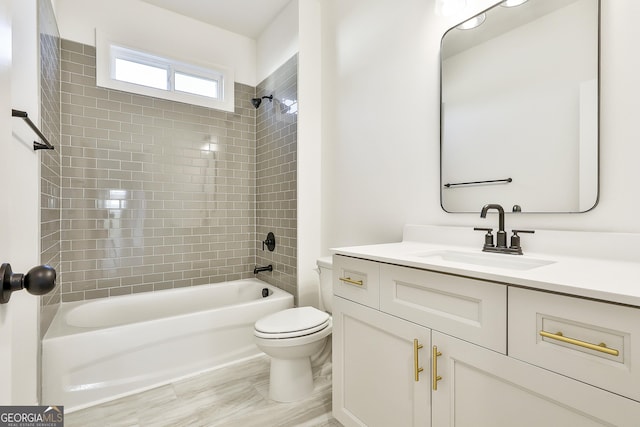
pixel 519 109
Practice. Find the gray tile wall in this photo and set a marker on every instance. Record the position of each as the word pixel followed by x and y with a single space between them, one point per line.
pixel 155 194
pixel 49 159
pixel 276 175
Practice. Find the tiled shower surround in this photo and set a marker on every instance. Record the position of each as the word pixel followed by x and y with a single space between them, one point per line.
pixel 49 159
pixel 155 194
pixel 276 174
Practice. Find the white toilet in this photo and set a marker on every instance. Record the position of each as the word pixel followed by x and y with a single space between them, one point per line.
pixel 291 337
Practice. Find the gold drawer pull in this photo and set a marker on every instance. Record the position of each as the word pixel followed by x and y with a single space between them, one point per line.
pixel 434 367
pixel 351 281
pixel 602 347
pixel 416 368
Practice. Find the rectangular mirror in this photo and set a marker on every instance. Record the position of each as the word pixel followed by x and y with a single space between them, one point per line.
pixel 519 108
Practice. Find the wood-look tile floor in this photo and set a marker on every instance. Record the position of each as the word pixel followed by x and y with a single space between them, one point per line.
pixel 235 395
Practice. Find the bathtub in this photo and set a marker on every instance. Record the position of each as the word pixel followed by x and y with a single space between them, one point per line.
pixel 99 350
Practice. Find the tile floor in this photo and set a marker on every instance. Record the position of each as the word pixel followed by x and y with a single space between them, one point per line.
pixel 236 395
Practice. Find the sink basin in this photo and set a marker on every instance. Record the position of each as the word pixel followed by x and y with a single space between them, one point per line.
pixel 505 261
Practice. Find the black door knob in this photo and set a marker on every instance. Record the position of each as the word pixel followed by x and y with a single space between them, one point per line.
pixel 38 281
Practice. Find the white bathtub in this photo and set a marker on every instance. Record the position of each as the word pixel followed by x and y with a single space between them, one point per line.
pixel 99 350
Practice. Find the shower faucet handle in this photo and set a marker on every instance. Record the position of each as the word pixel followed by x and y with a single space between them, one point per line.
pixel 270 242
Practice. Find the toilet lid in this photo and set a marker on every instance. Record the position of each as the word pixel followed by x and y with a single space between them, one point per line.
pixel 293 321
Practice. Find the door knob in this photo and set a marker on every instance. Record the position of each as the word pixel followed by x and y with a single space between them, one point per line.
pixel 38 281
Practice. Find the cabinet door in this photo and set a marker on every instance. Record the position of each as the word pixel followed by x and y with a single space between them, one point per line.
pixel 480 388
pixel 374 371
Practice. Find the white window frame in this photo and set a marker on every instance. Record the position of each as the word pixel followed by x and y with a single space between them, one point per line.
pixel 108 49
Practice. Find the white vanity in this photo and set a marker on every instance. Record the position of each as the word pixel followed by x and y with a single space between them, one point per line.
pixel 433 332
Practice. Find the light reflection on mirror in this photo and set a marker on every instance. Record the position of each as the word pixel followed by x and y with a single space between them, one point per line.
pixel 519 100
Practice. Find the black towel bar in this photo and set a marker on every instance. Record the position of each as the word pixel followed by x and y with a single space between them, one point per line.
pixel 478 182
pixel 36 145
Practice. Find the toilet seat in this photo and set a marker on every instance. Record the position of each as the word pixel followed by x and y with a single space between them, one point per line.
pixel 291 323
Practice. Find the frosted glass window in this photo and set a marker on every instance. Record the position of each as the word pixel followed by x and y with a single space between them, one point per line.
pixel 141 74
pixel 196 85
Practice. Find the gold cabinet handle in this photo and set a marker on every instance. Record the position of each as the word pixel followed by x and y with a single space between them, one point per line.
pixel 416 369
pixel 351 281
pixel 434 367
pixel 602 347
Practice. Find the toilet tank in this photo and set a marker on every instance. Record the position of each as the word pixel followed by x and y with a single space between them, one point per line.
pixel 325 267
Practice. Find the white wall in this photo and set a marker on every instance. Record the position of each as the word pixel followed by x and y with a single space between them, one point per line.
pixel 19 210
pixel 381 119
pixel 309 150
pixel 158 31
pixel 278 42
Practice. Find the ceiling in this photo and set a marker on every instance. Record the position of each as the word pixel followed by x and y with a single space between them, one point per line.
pixel 246 17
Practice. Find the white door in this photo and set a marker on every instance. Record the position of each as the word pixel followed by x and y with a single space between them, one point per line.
pixel 482 388
pixel 19 199
pixel 5 138
pixel 374 373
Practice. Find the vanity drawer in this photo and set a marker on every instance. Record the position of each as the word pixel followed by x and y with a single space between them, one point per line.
pixel 470 309
pixel 357 280
pixel 594 342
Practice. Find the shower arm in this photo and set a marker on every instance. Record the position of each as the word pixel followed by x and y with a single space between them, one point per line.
pixel 257 101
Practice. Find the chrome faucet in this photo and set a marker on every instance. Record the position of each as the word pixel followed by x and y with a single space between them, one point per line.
pixel 501 235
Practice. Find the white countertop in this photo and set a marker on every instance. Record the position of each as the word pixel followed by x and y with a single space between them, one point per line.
pixel 605 278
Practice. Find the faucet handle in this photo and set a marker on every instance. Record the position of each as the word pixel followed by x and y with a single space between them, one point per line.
pixel 515 239
pixel 523 231
pixel 270 242
pixel 488 238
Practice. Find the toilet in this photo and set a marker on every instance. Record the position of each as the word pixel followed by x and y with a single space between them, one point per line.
pixel 292 337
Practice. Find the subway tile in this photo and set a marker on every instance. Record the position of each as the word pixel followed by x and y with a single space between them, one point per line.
pixel 121 96
pixel 73 296
pixel 123 290
pixel 100 293
pixel 207 204
pixel 84 285
pixel 96 92
pixel 142 288
pixel 135 110
pixel 163 285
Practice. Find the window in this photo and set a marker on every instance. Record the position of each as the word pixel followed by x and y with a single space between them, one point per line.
pixel 140 72
pixel 196 85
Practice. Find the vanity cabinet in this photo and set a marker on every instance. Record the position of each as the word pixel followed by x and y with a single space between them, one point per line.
pixel 374 368
pixel 431 349
pixel 592 341
pixel 480 387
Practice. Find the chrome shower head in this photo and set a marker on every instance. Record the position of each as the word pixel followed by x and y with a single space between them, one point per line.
pixel 257 101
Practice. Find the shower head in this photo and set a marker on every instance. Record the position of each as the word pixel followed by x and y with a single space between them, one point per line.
pixel 257 101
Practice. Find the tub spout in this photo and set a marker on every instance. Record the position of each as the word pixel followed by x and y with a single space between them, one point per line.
pixel 257 269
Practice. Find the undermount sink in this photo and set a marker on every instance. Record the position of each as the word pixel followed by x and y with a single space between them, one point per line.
pixel 505 261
